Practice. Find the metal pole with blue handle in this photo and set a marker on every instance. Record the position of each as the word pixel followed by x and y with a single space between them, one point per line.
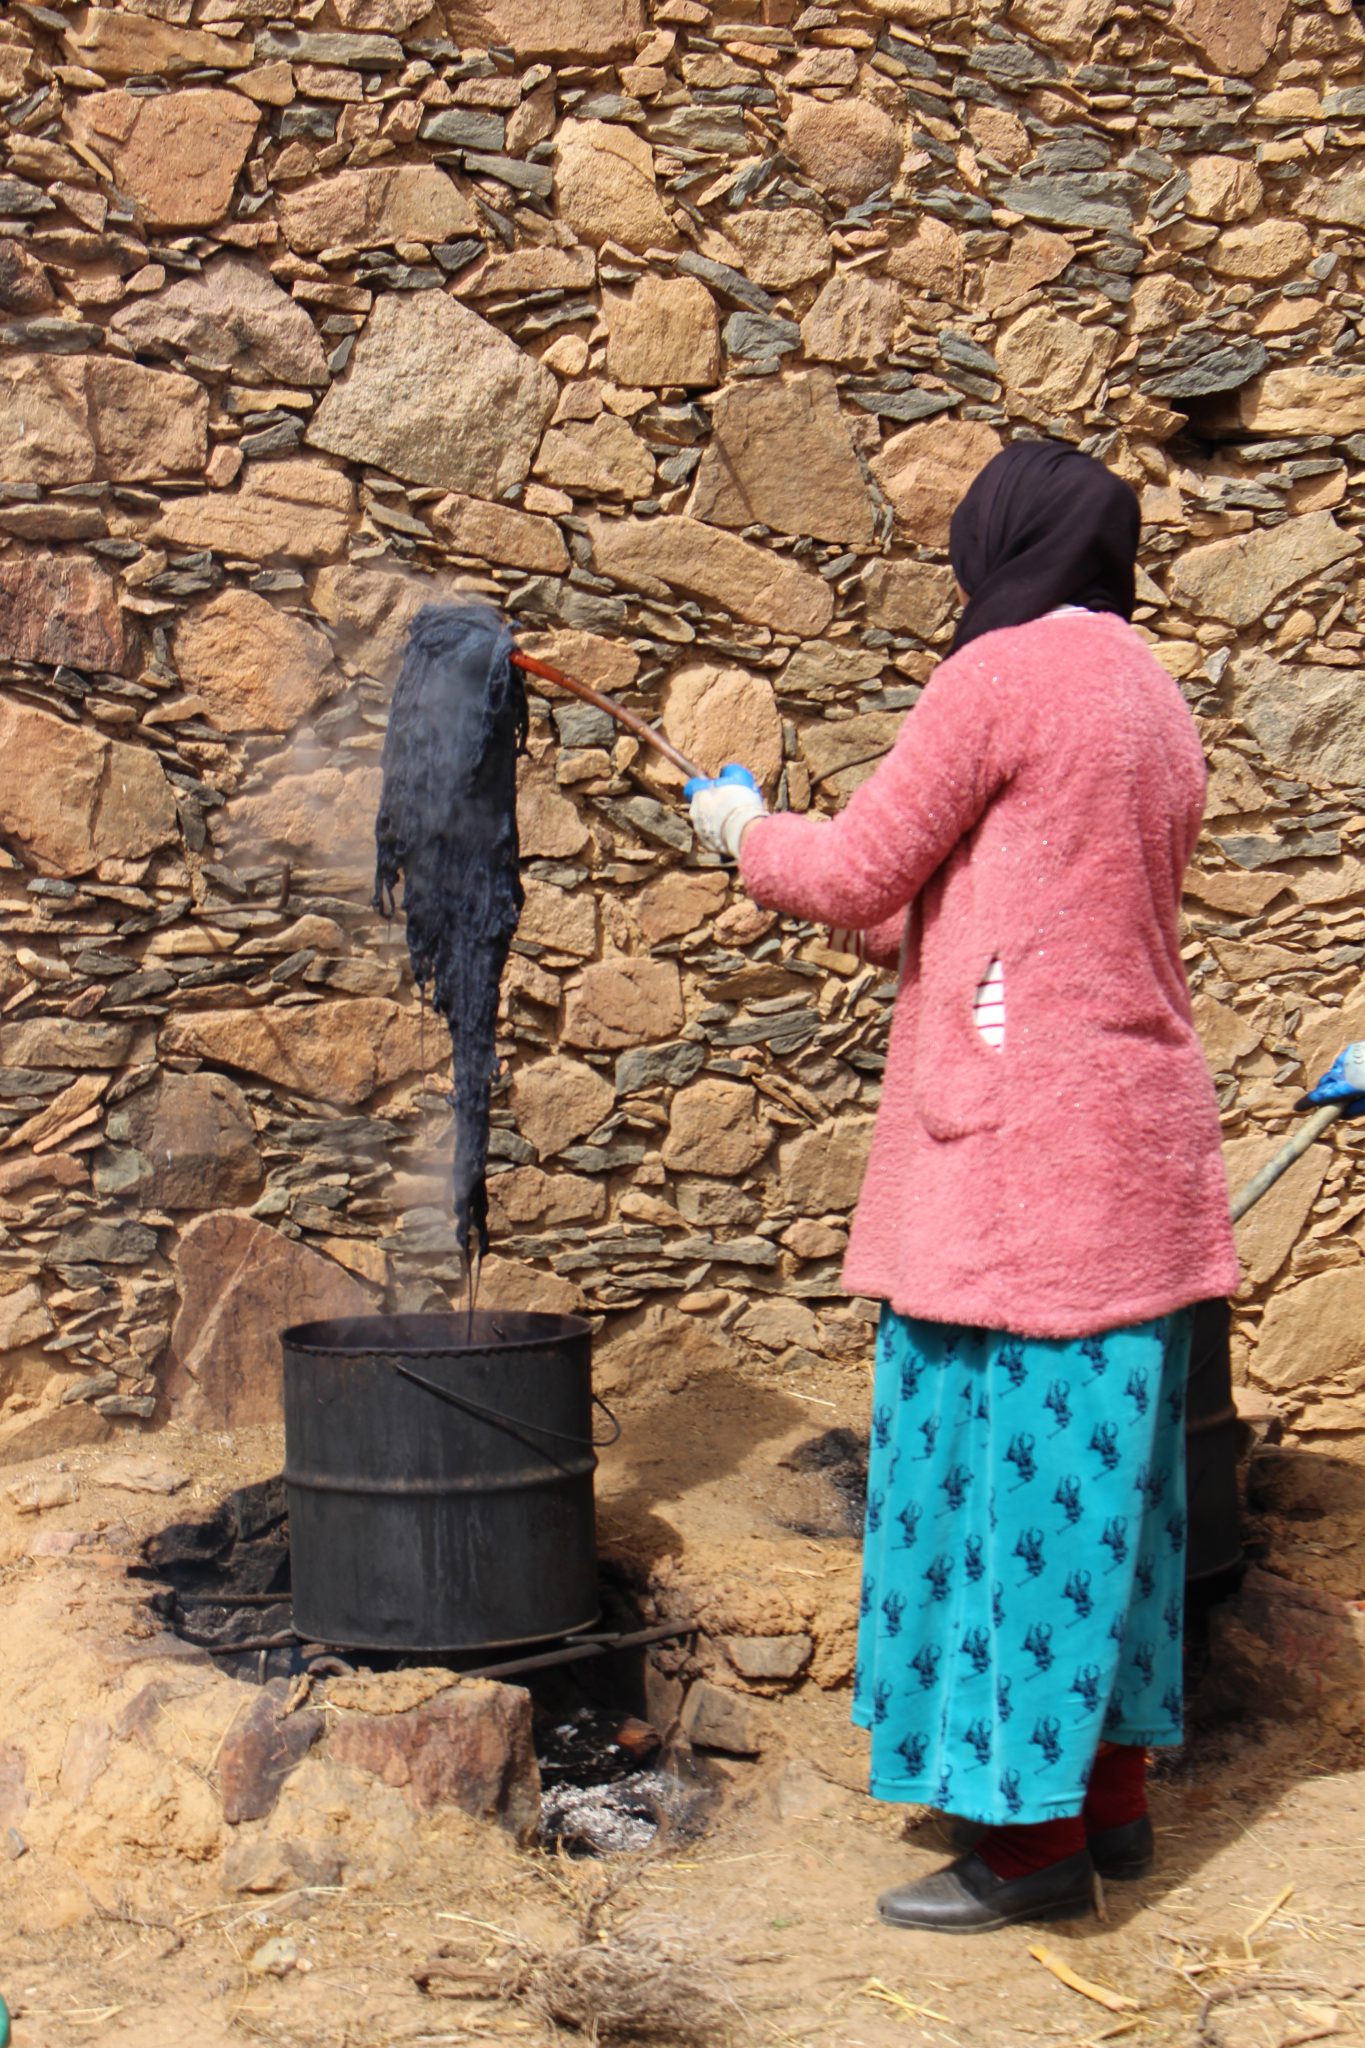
pixel 1340 1092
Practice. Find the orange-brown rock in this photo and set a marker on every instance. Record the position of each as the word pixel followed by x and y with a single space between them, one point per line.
pixel 663 331
pixel 848 148
pixel 1034 257
pixel 909 597
pixel 1235 36
pixel 500 533
pixel 557 1100
pixel 822 1170
pixel 69 798
pixel 753 582
pixel 1268 1232
pixel 177 155
pixel 931 260
pixel 623 1001
pixel 560 920
pixel 714 1128
pixel 469 1747
pixel 437 395
pixel 334 1052
pixel 606 189
pixel 58 608
pixel 717 715
pixel 241 1283
pixel 781 454
pixel 780 249
pixel 926 470
pixel 131 45
pixel 231 316
pixel 583 31
pixel 70 419
pixel 257 667
pixel 1051 364
pixel 854 320
pixel 387 203
pixel 301 510
pixel 195 1134
pixel 549 825
pixel 681 901
pixel 367 610
pixel 321 817
pixel 526 1197
pixel 1314 1332
pixel 596 458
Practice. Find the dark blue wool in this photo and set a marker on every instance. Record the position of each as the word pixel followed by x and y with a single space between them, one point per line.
pixel 447 826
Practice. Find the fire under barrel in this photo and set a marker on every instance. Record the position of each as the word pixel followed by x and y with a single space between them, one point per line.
pixel 439 1471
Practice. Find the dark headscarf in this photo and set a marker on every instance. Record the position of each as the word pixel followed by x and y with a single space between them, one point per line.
pixel 1043 525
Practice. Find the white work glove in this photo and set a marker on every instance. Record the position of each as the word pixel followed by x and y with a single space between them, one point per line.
pixel 722 806
pixel 842 940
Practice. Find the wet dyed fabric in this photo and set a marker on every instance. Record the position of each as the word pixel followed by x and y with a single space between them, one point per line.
pixel 1024 1564
pixel 447 825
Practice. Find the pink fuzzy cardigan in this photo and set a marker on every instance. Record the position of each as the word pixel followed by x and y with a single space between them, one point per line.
pixel 1040 806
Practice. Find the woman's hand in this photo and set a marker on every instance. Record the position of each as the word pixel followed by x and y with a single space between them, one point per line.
pixel 723 807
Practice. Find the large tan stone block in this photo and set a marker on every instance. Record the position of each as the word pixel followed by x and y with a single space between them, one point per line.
pixel 753 582
pixel 338 1052
pixel 781 455
pixel 177 155
pixel 437 395
pixel 71 798
pixel 241 1283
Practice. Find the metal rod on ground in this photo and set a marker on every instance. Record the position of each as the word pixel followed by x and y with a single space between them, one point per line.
pixel 598 1646
pixel 1262 1182
pixel 630 719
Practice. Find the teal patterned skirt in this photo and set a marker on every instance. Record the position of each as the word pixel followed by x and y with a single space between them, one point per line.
pixel 1024 1561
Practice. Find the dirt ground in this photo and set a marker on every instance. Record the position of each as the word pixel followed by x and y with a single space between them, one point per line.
pixel 120 1925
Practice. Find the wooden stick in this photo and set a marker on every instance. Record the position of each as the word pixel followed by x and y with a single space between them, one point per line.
pixel 1112 2001
pixel 1262 1182
pixel 631 719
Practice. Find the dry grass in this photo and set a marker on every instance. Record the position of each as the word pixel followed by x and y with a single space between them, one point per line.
pixel 641 1978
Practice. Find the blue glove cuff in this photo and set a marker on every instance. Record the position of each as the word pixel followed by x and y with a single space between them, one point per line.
pixel 1343 1082
pixel 731 773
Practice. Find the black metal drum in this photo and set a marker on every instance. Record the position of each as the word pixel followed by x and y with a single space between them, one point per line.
pixel 440 1478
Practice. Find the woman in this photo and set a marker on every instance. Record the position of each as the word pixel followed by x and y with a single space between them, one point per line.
pixel 1044 1200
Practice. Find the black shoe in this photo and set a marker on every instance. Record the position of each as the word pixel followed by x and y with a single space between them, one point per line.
pixel 968 1898
pixel 1123 1852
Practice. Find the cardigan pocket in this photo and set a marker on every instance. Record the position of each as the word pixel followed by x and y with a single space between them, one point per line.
pixel 961 1084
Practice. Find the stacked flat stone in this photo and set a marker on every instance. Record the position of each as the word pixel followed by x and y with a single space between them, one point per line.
pixel 677 330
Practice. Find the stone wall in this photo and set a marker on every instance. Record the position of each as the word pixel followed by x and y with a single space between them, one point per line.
pixel 678 329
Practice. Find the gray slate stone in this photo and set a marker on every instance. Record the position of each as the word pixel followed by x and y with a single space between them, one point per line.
pixel 512 172
pixel 755 335
pixel 718 130
pixel 1222 369
pixel 1315 729
pixel 1088 200
pixel 730 283
pixel 350 53
pixel 769 1659
pixel 465 128
pixel 104 1244
pixel 653 1066
pixel 21 201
